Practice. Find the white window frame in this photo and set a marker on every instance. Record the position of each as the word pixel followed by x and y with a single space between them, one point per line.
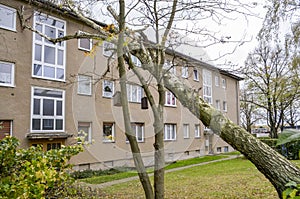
pixel 224 106
pixel 169 67
pixel 88 137
pixel 9 11
pixel 90 42
pixel 196 75
pixel 84 80
pixel 224 83
pixel 170 99
pixel 207 86
pixel 185 71
pixel 186 131
pixel 40 115
pixel 135 127
pixel 106 44
pixel 170 132
pixel 217 81
pixel 110 138
pixel 39 56
pixel 110 84
pixel 197 131
pixel 134 93
pixel 4 76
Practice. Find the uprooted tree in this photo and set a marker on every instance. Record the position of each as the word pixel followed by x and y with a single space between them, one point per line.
pixel 276 168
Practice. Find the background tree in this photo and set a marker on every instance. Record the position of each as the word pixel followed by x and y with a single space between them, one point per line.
pixel 250 113
pixel 270 68
pixel 273 81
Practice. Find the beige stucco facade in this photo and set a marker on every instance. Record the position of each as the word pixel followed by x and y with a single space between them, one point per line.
pixel 95 110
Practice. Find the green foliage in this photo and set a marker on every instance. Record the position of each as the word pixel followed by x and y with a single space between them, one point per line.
pixel 34 173
pixel 269 141
pixel 91 173
pixel 292 191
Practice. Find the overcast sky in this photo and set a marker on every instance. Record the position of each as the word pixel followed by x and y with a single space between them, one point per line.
pixel 236 29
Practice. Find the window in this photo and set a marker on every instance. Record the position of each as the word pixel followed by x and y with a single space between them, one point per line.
pixel 84 85
pixel 218 104
pixel 134 93
pixel 47 110
pixel 7 74
pixel 108 132
pixel 55 145
pixel 169 66
pixel 49 60
pixel 197 131
pixel 107 88
pixel 224 84
pixel 136 61
pixel 185 72
pixel 196 75
pixel 219 149
pixel 217 81
pixel 226 149
pixel 224 106
pixel 85 44
pixel 7 18
pixel 186 133
pixel 84 130
pixel 5 128
pixel 108 49
pixel 138 130
pixel 207 88
pixel 170 132
pixel 170 99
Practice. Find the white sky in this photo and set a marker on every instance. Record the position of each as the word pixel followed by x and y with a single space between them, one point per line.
pixel 236 29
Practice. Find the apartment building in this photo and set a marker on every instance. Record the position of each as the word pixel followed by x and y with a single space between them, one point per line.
pixel 51 93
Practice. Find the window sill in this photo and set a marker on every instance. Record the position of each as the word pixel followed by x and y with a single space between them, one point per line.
pixel 107 97
pixel 84 49
pixel 169 140
pixel 49 79
pixel 6 85
pixel 109 141
pixel 171 106
pixel 9 29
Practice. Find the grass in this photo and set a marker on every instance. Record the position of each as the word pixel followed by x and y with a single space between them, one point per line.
pixel 127 174
pixel 231 179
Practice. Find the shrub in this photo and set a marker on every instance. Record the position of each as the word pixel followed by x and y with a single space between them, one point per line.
pixel 34 173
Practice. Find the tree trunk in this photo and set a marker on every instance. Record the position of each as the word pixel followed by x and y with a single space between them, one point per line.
pixel 138 161
pixel 277 169
pixel 159 155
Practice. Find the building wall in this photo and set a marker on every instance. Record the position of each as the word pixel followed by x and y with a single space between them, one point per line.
pixel 16 101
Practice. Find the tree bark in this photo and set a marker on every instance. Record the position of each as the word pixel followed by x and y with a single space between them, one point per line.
pixel 138 161
pixel 277 169
pixel 159 154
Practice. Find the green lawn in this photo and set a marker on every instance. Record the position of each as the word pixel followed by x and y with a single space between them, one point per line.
pixel 181 163
pixel 232 179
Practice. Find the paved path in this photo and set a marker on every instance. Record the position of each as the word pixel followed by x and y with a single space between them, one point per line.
pixel 107 184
